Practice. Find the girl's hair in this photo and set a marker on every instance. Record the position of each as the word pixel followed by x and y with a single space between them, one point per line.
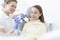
pixel 40 10
pixel 7 1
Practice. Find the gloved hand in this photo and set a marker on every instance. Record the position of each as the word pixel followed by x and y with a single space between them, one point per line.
pixel 17 20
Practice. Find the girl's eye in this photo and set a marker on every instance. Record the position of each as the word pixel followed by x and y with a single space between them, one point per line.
pixel 12 5
pixel 35 12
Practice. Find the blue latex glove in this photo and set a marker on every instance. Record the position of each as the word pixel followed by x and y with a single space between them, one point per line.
pixel 17 20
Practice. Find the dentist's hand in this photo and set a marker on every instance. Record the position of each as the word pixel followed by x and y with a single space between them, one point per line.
pixel 17 20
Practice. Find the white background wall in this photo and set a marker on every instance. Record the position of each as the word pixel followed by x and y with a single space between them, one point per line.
pixel 51 10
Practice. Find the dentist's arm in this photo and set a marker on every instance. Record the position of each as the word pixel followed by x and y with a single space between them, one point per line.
pixel 2 30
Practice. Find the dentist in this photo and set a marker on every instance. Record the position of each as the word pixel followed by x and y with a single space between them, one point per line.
pixel 6 22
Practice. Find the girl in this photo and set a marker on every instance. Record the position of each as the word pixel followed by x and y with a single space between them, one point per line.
pixel 35 27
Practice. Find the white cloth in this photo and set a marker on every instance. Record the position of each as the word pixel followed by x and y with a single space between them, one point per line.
pixel 6 22
pixel 34 29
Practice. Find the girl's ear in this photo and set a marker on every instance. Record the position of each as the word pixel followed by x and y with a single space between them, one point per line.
pixel 40 14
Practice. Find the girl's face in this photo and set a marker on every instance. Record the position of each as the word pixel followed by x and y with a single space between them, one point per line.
pixel 10 7
pixel 35 14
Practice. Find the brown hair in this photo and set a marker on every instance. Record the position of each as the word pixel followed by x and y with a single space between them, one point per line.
pixel 7 1
pixel 40 10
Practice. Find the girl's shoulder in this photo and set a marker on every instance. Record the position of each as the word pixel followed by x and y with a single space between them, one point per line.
pixel 33 23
